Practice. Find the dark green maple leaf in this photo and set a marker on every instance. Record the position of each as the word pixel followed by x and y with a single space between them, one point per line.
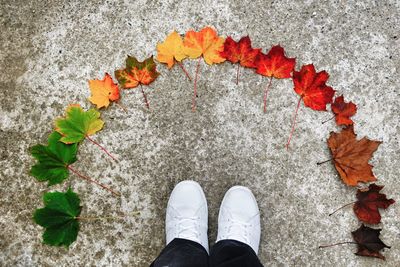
pixel 53 160
pixel 59 218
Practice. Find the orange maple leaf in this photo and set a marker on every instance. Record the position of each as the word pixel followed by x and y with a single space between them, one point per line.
pixel 204 43
pixel 137 73
pixel 103 91
pixel 351 156
pixel 171 51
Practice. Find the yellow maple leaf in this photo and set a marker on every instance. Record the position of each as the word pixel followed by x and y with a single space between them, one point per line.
pixel 204 43
pixel 103 91
pixel 171 50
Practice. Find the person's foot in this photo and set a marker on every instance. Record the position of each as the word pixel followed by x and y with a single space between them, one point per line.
pixel 239 217
pixel 187 214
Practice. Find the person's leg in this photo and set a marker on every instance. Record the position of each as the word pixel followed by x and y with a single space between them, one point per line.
pixel 186 228
pixel 233 253
pixel 238 230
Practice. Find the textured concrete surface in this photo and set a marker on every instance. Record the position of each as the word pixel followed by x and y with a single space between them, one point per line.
pixel 49 49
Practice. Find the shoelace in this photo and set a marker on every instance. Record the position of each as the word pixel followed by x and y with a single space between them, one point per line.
pixel 239 228
pixel 191 230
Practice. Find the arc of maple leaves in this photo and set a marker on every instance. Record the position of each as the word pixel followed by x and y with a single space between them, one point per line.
pixel 308 84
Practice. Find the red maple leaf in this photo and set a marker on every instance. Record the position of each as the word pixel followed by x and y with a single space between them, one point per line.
pixel 274 65
pixel 240 52
pixel 311 87
pixel 343 111
pixel 368 202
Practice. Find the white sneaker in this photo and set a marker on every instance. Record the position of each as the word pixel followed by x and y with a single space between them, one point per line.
pixel 239 217
pixel 187 214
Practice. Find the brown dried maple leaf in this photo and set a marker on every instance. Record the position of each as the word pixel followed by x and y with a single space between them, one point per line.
pixel 368 202
pixel 351 156
pixel 368 241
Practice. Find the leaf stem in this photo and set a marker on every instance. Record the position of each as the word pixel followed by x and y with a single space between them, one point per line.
pixel 293 123
pixel 328 119
pixel 266 93
pixel 325 161
pixel 93 181
pixel 341 208
pixel 145 97
pixel 237 74
pixel 121 106
pixel 195 86
pixel 101 147
pixel 184 70
pixel 88 218
pixel 341 243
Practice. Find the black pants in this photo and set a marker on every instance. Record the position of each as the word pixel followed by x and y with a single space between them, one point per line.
pixel 225 253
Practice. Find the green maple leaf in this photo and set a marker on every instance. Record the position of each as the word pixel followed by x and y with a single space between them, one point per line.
pixel 53 160
pixel 59 218
pixel 78 124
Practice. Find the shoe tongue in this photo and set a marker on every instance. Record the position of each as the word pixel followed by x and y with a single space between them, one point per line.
pixel 239 216
pixel 188 224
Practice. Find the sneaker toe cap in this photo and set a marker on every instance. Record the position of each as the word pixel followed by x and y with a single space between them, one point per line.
pixel 188 198
pixel 241 203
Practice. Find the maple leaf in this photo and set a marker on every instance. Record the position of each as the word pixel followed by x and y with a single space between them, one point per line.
pixel 343 111
pixel 274 65
pixel 78 125
pixel 351 156
pixel 59 218
pixel 368 202
pixel 103 91
pixel 368 241
pixel 137 73
pixel 204 43
pixel 240 52
pixel 53 160
pixel 171 51
pixel 312 88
